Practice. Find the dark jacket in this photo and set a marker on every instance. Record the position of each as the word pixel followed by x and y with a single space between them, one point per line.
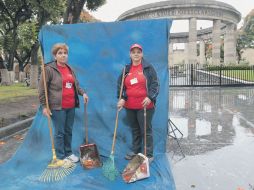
pixel 152 81
pixel 54 87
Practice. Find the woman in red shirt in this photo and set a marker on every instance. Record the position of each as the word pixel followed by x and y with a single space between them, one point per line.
pixel 141 87
pixel 63 90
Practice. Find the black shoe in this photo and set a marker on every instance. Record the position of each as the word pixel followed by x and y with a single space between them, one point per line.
pixel 150 159
pixel 129 156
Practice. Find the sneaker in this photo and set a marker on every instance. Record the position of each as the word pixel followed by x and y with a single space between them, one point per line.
pixel 129 155
pixel 67 163
pixel 73 158
pixel 150 159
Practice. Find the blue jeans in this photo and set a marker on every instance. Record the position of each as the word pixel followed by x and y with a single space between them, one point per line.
pixel 136 122
pixel 63 122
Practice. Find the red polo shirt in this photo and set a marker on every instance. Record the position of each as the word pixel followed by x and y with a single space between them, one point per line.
pixel 135 84
pixel 68 93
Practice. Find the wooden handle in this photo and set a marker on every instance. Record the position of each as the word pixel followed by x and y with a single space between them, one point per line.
pixel 117 113
pixel 86 127
pixel 45 84
pixel 47 106
pixel 145 131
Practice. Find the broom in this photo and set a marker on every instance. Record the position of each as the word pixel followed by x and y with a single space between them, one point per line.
pixel 109 169
pixel 56 169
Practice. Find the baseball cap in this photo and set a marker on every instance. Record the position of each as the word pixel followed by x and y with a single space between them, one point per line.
pixel 136 46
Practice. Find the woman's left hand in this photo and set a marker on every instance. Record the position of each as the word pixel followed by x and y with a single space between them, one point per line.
pixel 85 98
pixel 146 102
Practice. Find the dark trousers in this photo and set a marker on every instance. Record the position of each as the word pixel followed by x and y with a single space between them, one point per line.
pixel 136 122
pixel 63 122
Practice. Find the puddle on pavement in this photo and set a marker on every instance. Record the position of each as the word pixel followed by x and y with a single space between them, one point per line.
pixel 217 127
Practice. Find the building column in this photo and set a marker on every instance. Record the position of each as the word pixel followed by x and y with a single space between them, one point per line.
pixel 170 54
pixel 192 49
pixel 202 52
pixel 216 42
pixel 186 53
pixel 230 44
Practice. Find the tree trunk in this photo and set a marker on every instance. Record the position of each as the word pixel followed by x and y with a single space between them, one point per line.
pixel 34 76
pixel 12 51
pixel 74 8
pixel 34 66
pixel 5 77
pixel 22 76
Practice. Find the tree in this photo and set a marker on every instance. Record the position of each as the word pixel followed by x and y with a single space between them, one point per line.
pixel 13 13
pixel 20 24
pixel 246 35
pixel 21 20
pixel 45 11
pixel 74 8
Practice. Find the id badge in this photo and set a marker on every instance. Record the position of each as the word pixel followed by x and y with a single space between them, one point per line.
pixel 134 81
pixel 68 85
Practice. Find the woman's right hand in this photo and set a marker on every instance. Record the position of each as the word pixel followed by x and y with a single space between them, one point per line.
pixel 46 112
pixel 120 104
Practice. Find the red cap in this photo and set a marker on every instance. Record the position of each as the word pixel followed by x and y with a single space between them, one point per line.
pixel 136 46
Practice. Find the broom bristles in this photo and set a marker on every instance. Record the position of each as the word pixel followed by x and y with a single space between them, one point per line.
pixel 109 169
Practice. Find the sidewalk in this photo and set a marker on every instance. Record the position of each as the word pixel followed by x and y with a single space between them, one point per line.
pixel 17 110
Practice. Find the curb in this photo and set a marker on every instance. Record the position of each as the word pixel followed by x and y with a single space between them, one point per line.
pixel 15 127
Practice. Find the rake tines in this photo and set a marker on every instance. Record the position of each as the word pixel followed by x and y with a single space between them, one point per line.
pixel 52 173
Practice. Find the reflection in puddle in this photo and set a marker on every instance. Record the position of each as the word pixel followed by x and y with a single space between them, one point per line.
pixel 210 120
pixel 218 138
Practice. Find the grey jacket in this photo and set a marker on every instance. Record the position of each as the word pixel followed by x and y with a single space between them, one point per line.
pixel 54 87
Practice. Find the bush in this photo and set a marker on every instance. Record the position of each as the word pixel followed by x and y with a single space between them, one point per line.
pixel 229 67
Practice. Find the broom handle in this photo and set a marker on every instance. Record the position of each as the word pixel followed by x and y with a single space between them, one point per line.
pixel 47 106
pixel 145 131
pixel 86 127
pixel 117 113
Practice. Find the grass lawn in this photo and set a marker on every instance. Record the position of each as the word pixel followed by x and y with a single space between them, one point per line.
pixel 247 75
pixel 16 91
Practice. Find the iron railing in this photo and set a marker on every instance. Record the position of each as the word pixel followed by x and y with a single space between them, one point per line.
pixel 210 75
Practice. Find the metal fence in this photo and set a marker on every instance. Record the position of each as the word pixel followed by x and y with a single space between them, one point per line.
pixel 210 75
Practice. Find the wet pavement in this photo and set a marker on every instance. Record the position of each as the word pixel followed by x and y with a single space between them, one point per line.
pixel 218 138
pixel 9 145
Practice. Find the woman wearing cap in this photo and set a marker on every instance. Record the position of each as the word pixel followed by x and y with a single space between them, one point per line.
pixel 63 90
pixel 141 87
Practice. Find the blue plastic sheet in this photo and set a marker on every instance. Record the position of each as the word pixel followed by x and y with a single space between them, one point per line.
pixel 98 52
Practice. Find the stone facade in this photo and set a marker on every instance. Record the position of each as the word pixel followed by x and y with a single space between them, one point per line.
pixel 224 17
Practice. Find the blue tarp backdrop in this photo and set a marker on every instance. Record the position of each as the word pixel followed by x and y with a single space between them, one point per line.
pixel 98 52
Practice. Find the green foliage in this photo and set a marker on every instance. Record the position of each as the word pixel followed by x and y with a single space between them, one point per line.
pixel 20 22
pixel 27 35
pixel 246 36
pixel 94 4
pixel 228 67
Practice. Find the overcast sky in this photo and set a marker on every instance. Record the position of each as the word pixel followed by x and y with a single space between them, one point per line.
pixel 114 8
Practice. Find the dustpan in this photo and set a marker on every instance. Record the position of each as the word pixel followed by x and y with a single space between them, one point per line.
pixel 89 154
pixel 138 167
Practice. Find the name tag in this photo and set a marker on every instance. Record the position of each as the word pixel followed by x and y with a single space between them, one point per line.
pixel 134 81
pixel 68 85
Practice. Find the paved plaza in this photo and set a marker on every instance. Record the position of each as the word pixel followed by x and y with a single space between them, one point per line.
pixel 218 138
